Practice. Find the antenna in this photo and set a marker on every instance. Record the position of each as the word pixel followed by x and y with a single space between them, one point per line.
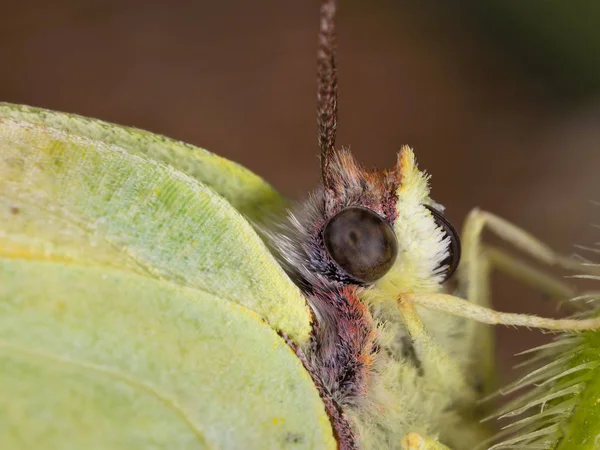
pixel 327 88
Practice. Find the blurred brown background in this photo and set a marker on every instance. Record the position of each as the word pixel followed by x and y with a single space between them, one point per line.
pixel 497 98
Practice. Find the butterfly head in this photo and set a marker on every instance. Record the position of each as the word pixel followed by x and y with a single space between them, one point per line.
pixel 376 228
pixel 381 228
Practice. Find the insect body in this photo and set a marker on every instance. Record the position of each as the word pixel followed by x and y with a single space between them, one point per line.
pixel 338 245
pixel 366 248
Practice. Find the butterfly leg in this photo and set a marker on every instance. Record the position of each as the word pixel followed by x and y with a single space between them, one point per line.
pixel 414 441
pixel 477 264
pixel 445 376
pixel 478 260
pixel 436 362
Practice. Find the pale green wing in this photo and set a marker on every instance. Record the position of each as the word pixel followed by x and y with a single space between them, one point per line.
pixel 70 197
pixel 138 307
pixel 92 358
pixel 247 193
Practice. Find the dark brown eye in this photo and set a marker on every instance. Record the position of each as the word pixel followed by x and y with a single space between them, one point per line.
pixel 451 262
pixel 361 243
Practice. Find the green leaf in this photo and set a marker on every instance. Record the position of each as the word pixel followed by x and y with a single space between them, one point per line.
pixel 560 410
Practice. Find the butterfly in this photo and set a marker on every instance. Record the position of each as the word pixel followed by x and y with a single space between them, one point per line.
pixel 157 316
pixel 369 250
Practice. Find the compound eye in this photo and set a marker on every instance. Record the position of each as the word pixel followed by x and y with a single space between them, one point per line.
pixel 361 243
pixel 453 258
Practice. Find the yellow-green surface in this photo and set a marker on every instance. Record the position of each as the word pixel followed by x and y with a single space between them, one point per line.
pixel 138 307
pixel 95 358
pixel 87 201
pixel 246 192
pixel 581 430
pixel 561 408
